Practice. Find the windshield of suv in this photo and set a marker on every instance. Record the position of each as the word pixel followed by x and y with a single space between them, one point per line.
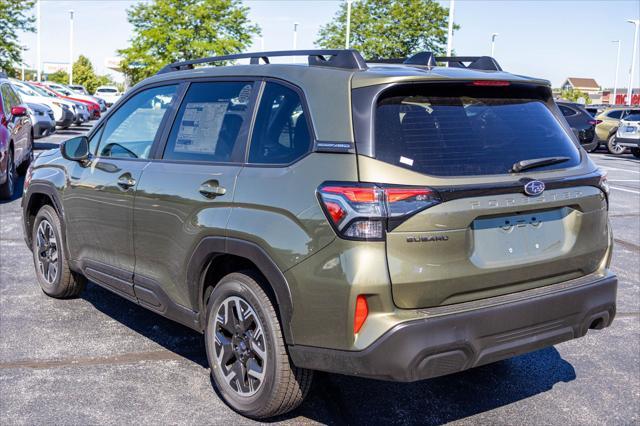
pixel 462 129
pixel 632 117
pixel 106 90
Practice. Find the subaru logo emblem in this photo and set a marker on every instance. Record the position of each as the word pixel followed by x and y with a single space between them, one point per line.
pixel 533 188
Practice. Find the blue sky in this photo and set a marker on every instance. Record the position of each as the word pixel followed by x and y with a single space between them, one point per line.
pixel 548 39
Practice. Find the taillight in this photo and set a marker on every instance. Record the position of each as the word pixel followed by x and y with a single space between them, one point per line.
pixel 361 211
pixel 594 122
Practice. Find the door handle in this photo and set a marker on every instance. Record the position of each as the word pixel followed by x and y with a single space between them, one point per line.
pixel 211 189
pixel 126 181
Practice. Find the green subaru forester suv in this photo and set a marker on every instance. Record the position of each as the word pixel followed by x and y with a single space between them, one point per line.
pixel 396 220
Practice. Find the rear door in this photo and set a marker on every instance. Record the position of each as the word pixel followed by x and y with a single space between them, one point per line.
pixel 490 233
pixel 186 192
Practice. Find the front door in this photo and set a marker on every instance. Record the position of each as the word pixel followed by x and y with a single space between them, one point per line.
pixel 99 199
pixel 186 193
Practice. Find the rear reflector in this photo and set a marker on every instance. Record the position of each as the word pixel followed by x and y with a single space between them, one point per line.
pixel 360 316
pixel 594 122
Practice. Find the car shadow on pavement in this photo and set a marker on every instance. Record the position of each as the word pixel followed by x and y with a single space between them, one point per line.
pixel 436 401
pixel 174 337
pixel 45 145
pixel 338 399
pixel 17 192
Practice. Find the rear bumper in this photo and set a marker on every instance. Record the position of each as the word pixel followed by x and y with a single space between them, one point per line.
pixel 455 338
pixel 628 142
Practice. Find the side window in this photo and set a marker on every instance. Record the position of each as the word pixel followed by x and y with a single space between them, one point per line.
pixel 566 111
pixel 4 94
pixel 208 124
pixel 95 139
pixel 615 114
pixel 130 131
pixel 280 134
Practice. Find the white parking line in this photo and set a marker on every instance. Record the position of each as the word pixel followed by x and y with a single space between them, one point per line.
pixel 624 189
pixel 620 170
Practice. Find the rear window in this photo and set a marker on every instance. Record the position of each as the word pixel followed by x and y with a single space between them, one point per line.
pixel 632 117
pixel 461 129
pixel 107 90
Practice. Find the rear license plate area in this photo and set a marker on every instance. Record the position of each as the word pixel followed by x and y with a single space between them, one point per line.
pixel 518 238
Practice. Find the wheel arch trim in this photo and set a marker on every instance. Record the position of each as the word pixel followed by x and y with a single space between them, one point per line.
pixel 210 247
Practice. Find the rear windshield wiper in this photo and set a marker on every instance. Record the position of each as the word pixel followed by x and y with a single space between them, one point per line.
pixel 537 162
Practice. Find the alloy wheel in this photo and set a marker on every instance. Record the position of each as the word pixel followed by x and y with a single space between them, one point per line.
pixel 614 147
pixel 47 250
pixel 240 346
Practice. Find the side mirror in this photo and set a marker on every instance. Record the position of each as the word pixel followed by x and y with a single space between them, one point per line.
pixel 18 111
pixel 75 149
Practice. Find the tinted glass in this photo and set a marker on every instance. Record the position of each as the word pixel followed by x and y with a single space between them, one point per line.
pixel 615 114
pixel 130 131
pixel 633 117
pixel 461 130
pixel 93 142
pixel 6 105
pixel 280 134
pixel 566 111
pixel 107 91
pixel 209 121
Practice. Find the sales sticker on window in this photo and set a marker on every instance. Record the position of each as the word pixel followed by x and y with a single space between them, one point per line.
pixel 407 161
pixel 200 127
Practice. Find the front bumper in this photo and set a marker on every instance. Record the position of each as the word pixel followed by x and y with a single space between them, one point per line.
pixel 628 142
pixel 67 118
pixel 454 338
pixel 43 128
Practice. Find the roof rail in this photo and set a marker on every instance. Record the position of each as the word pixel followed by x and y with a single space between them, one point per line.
pixel 335 58
pixel 428 59
pixel 486 63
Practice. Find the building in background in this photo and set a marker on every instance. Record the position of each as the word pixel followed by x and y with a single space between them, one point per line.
pixel 587 85
pixel 621 96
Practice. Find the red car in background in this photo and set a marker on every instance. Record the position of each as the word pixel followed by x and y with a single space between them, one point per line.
pixel 93 107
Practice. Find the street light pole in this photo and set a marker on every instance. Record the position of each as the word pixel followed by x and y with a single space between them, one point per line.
pixel 295 39
pixel 615 79
pixel 71 47
pixel 493 42
pixel 347 37
pixel 38 58
pixel 24 48
pixel 452 5
pixel 635 22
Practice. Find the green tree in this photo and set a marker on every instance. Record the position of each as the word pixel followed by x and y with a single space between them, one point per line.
pixel 60 76
pixel 13 20
pixel 574 95
pixel 166 31
pixel 84 74
pixel 389 28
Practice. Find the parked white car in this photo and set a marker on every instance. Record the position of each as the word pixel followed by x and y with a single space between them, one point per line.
pixel 63 110
pixel 628 134
pixel 109 93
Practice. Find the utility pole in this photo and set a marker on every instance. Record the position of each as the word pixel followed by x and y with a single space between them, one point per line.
pixel 295 39
pixel 635 22
pixel 493 43
pixel 71 47
pixel 347 37
pixel 38 53
pixel 452 5
pixel 615 79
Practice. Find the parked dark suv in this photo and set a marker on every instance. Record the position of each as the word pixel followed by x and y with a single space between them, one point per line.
pixel 582 124
pixel 16 138
pixel 396 221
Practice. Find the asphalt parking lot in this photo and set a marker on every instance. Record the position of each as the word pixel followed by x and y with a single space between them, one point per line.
pixel 101 359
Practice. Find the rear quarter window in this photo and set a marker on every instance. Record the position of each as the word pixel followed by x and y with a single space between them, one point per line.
pixel 463 130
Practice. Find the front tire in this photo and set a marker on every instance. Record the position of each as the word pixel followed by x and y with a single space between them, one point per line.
pixel 247 353
pixel 52 270
pixel 613 147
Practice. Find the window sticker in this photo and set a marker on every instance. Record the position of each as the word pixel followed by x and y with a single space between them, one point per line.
pixel 407 161
pixel 200 127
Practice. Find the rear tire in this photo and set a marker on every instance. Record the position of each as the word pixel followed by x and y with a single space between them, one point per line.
pixel 635 152
pixel 52 270
pixel 248 357
pixel 613 147
pixel 8 187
